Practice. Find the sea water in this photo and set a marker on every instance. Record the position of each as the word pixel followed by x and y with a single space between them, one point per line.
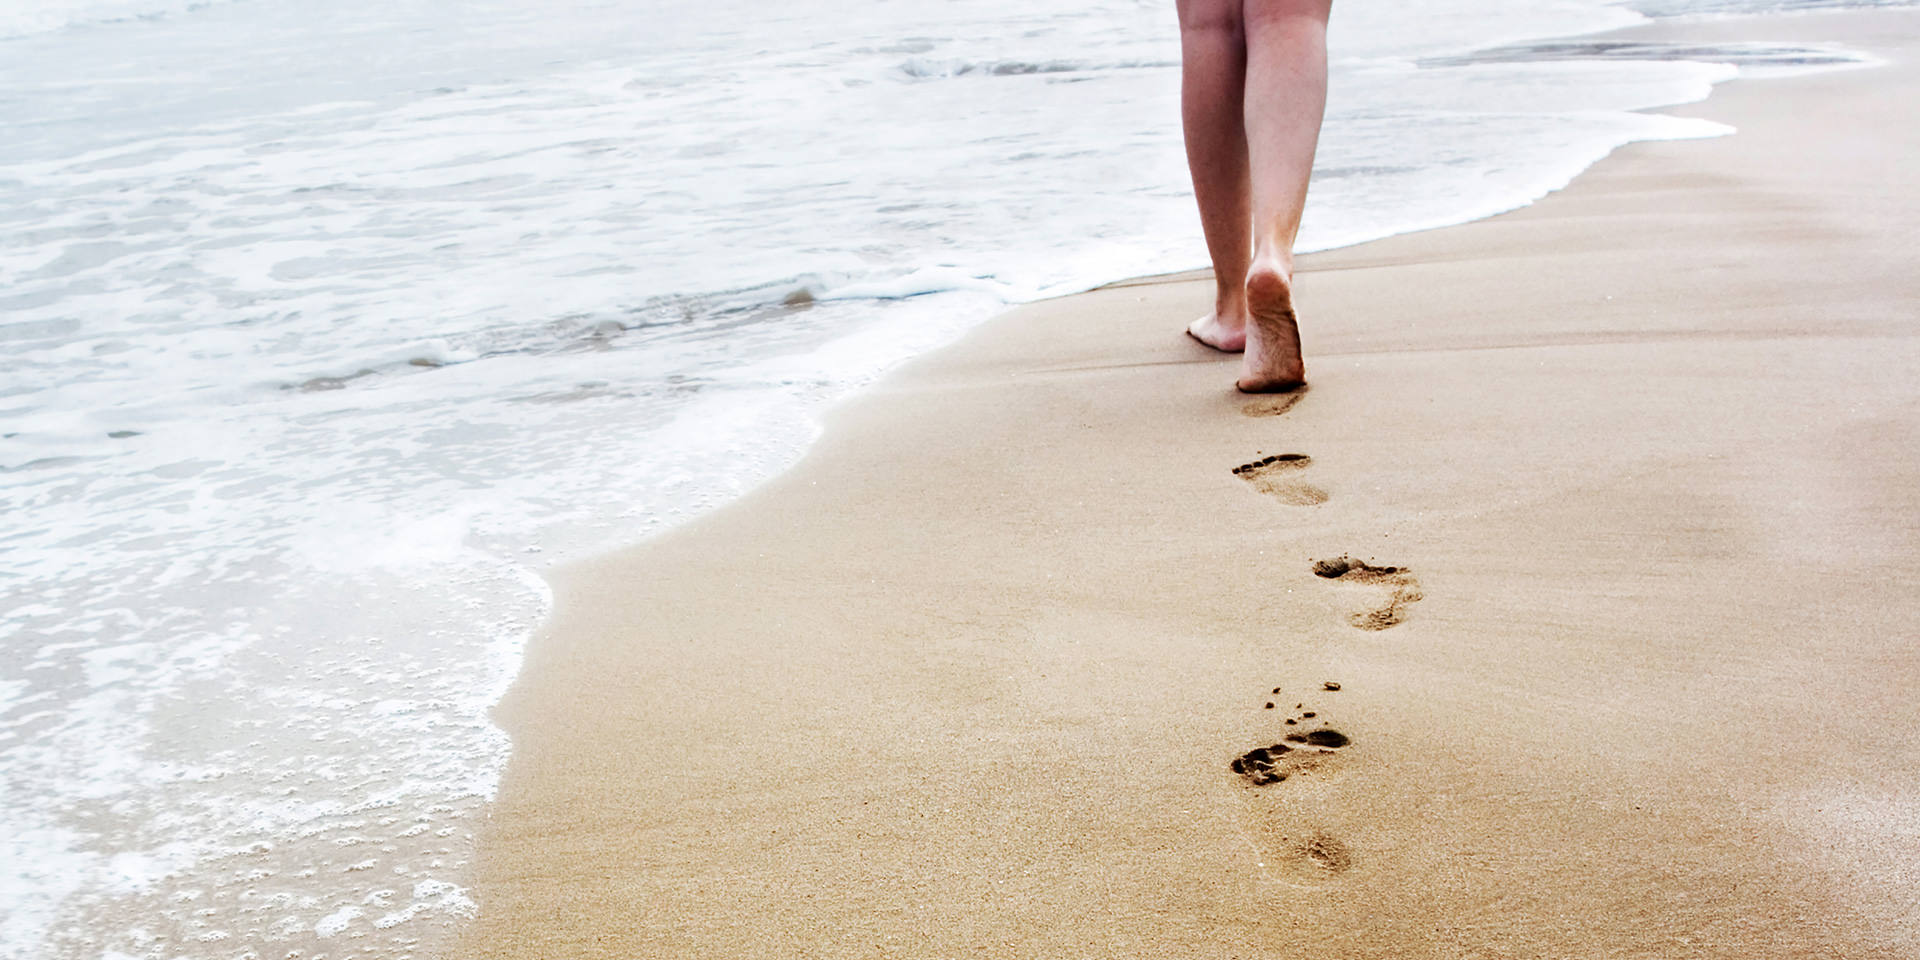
pixel 326 328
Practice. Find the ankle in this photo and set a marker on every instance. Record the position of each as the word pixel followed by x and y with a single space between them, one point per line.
pixel 1272 259
pixel 1230 305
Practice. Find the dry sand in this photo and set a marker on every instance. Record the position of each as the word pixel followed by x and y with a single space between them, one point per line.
pixel 969 681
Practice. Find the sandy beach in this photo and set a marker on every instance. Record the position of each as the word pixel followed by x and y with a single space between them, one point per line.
pixel 1620 656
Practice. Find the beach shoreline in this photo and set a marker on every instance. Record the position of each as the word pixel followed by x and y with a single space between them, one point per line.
pixel 974 677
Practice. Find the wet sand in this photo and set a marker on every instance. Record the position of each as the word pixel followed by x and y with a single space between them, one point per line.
pixel 1570 613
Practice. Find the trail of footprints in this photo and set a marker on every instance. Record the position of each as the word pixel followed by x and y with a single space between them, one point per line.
pixel 1391 589
pixel 1386 593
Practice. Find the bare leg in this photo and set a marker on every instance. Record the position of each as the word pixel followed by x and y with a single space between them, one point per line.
pixel 1213 73
pixel 1253 92
pixel 1285 100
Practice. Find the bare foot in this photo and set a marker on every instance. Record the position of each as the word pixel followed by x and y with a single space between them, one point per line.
pixel 1221 335
pixel 1272 363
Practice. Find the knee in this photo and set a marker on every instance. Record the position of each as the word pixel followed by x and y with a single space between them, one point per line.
pixel 1271 12
pixel 1219 17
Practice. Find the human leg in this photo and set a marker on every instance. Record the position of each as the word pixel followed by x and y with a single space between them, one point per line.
pixel 1285 99
pixel 1213 62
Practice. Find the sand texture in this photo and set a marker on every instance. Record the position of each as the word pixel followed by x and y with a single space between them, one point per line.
pixel 1570 614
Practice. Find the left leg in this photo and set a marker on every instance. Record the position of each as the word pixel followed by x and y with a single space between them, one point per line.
pixel 1213 71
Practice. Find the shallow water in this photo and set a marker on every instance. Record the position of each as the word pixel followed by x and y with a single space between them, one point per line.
pixel 327 329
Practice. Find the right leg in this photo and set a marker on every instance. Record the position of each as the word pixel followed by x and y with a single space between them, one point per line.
pixel 1286 97
pixel 1213 73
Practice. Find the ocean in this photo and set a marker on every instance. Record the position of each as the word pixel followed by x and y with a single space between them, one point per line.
pixel 326 330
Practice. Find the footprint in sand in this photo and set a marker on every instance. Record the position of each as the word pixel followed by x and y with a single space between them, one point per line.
pixel 1298 751
pixel 1278 477
pixel 1295 753
pixel 1395 587
pixel 1316 857
pixel 1272 404
pixel 1288 850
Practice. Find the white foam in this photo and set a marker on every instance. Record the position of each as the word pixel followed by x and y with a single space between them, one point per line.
pixel 132 871
pixel 27 17
pixel 1833 58
pixel 333 924
pixel 920 282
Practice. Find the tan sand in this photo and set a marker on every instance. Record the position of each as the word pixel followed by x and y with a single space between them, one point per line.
pixel 969 681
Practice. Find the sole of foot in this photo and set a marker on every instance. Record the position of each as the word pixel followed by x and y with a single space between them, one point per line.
pixel 1272 363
